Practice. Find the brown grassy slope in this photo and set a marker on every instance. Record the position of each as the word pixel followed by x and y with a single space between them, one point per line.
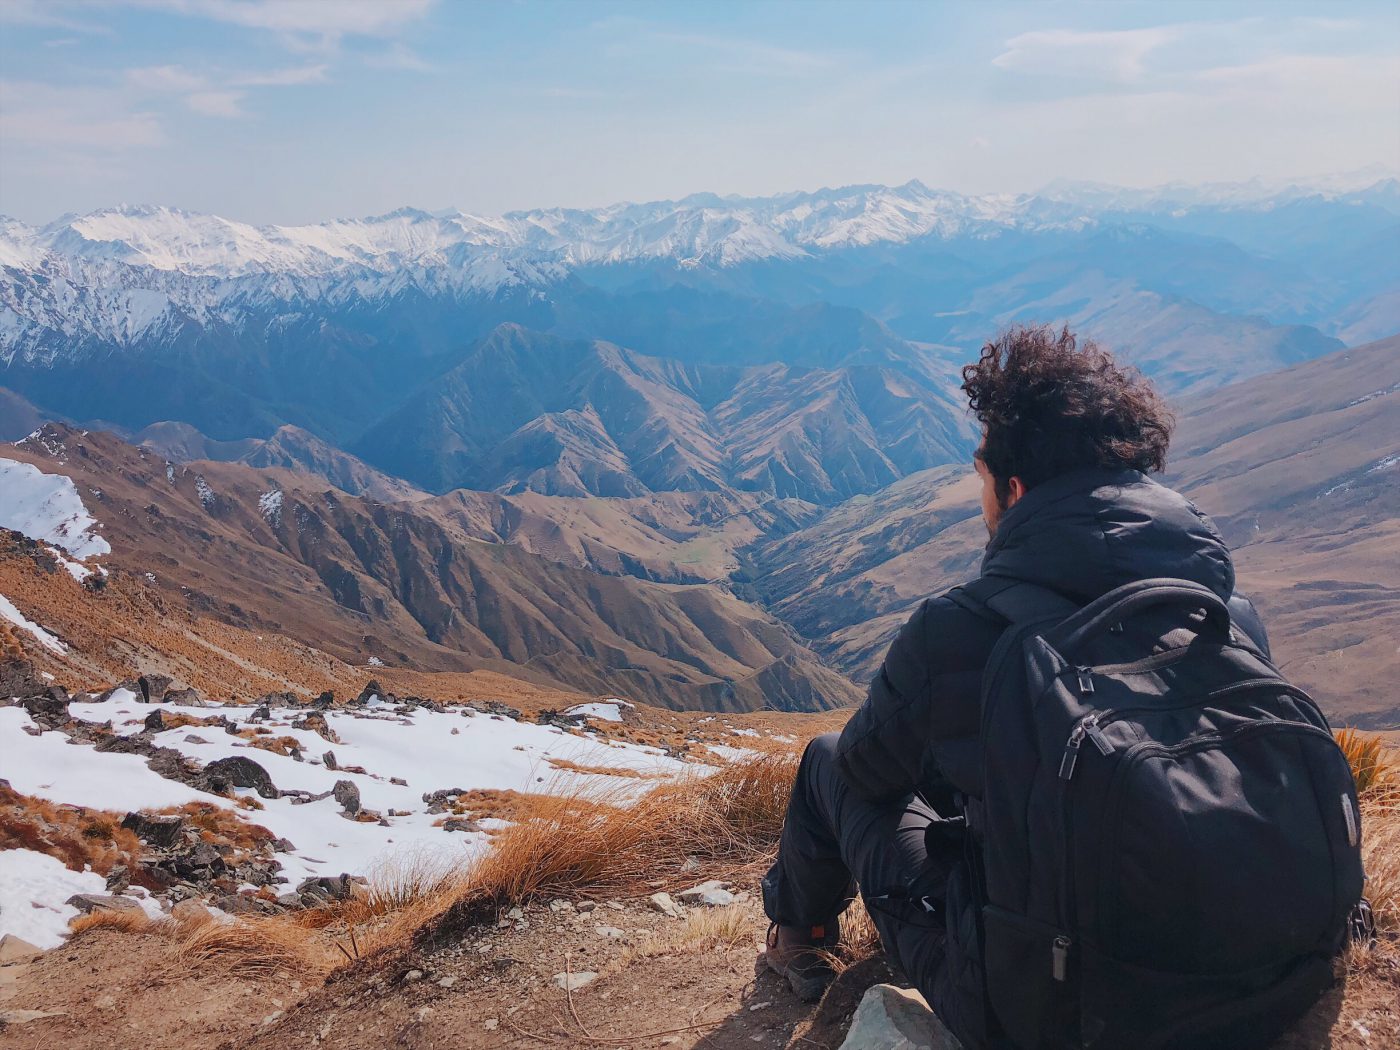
pixel 359 579
pixel 1292 466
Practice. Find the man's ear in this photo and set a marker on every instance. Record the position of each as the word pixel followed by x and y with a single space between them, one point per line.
pixel 1015 489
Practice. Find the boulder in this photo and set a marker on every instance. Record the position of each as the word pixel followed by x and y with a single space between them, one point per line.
pixel 238 771
pixel 348 795
pixel 572 982
pixel 190 911
pixel 19 678
pixel 712 894
pixel 663 903
pixel 325 888
pixel 48 707
pixel 369 692
pixel 325 701
pixel 460 824
pixel 891 1018
pixel 153 687
pixel 155 721
pixel 159 831
pixel 185 697
pixel 90 902
pixel 328 759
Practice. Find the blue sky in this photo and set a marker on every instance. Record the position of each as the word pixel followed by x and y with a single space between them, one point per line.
pixel 302 110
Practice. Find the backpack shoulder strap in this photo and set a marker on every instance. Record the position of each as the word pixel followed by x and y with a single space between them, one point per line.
pixel 1009 601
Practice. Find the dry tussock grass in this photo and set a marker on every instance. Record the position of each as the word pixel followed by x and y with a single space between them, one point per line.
pixel 81 838
pixel 707 930
pixel 566 766
pixel 106 919
pixel 258 947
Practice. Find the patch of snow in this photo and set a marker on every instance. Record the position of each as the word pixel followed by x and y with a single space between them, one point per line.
pixel 47 508
pixel 48 641
pixel 603 710
pixel 33 887
pixel 270 506
pixel 417 747
pixel 203 491
pixel 374 661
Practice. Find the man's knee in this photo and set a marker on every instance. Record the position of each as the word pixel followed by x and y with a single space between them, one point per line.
pixel 822 750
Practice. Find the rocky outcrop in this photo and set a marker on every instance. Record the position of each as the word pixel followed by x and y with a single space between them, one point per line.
pixel 891 1018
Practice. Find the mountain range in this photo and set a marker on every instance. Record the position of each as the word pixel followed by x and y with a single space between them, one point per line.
pixel 704 452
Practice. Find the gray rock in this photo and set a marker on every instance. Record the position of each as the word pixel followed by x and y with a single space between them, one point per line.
pixel 328 759
pixel 348 795
pixel 155 722
pixel 90 902
pixel 153 687
pixel 891 1018
pixel 159 831
pixel 190 911
pixel 711 894
pixel 572 982
pixel 663 903
pixel 611 933
pixel 238 771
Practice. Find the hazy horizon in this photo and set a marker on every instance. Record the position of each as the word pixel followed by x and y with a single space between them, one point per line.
pixel 296 113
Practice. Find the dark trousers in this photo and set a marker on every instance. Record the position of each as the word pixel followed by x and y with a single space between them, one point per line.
pixel 835 842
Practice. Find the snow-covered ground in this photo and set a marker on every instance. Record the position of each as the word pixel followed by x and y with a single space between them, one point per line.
pixel 460 748
pixel 48 641
pixel 48 508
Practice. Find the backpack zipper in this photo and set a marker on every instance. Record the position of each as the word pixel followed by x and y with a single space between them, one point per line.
pixel 1091 725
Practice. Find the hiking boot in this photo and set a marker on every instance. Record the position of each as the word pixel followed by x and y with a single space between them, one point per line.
pixel 802 954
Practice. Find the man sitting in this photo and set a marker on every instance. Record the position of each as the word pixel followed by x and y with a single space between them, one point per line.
pixel 1069 437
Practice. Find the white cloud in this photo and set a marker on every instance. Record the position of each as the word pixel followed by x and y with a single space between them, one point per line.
pixel 163 79
pixel 304 22
pixel 399 56
pixel 312 74
pixel 216 103
pixel 85 118
pixel 44 14
pixel 1119 53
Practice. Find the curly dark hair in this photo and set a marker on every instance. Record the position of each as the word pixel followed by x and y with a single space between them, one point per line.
pixel 1049 404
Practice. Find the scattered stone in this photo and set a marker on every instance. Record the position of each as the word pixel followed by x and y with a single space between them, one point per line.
pixel 559 905
pixel 400 781
pixel 325 701
pixel 185 697
pixel 515 914
pixel 897 1019
pixel 491 1024
pixel 614 905
pixel 572 982
pixel 15 950
pixel 239 771
pixel 159 831
pixel 153 687
pixel 154 722
pixel 611 933
pixel 118 878
pixel 460 824
pixel 447 982
pixel 663 903
pixel 585 906
pixel 711 894
pixel 348 795
pixel 90 902
pixel 48 706
pixel 190 911
pixel 328 760
pixel 412 975
pixel 691 864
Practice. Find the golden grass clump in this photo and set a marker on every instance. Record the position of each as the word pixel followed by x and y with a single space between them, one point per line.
pixel 1374 764
pixel 110 919
pixel 260 947
pixel 81 838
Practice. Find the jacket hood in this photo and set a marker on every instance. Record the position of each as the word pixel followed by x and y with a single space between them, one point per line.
pixel 1084 533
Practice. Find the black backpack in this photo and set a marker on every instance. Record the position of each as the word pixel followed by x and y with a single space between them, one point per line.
pixel 1167 835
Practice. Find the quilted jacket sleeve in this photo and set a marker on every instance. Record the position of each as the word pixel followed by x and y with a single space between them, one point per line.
pixel 924 698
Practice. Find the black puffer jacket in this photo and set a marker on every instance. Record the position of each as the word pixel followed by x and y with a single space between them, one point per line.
pixel 1081 534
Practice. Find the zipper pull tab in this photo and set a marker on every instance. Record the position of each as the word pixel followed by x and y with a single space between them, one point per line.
pixel 1071 756
pixel 1099 737
pixel 1059 957
pixel 1086 679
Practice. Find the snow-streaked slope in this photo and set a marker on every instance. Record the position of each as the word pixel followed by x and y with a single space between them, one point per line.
pixel 10 613
pixel 424 750
pixel 48 508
